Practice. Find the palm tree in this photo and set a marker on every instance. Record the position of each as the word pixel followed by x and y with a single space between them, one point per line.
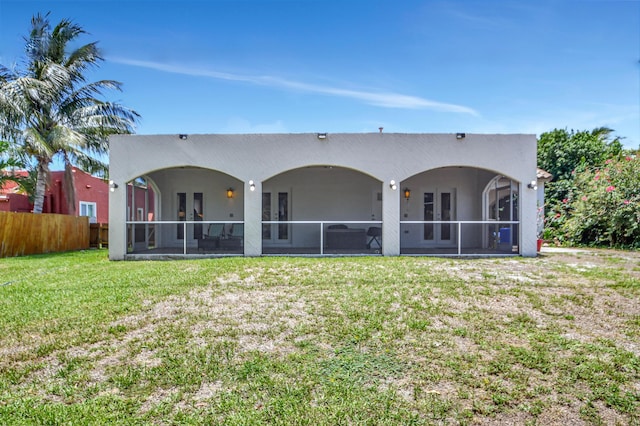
pixel 48 109
pixel 7 165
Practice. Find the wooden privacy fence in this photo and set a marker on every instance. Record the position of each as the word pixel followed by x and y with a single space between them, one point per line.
pixel 99 235
pixel 28 233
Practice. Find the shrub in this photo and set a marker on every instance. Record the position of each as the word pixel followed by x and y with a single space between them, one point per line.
pixel 603 206
pixel 562 153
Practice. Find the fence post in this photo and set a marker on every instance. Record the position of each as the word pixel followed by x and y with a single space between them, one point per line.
pixel 184 237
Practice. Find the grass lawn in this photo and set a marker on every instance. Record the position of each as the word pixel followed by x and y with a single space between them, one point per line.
pixel 330 341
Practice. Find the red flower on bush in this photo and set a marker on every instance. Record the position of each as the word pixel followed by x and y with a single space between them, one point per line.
pixel 610 218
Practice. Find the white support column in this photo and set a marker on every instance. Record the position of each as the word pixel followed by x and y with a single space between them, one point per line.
pixel 117 221
pixel 253 219
pixel 390 219
pixel 528 220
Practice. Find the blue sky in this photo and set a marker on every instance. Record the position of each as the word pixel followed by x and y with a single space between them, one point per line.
pixel 263 66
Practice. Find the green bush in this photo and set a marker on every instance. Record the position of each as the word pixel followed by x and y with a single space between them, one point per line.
pixel 603 205
pixel 562 153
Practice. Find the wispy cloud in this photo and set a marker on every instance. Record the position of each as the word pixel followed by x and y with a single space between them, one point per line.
pixel 383 99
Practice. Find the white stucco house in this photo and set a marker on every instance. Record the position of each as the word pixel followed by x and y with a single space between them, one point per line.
pixel 321 194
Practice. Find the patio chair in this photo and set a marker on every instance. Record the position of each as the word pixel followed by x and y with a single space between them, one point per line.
pixel 211 240
pixel 227 230
pixel 375 234
pixel 237 231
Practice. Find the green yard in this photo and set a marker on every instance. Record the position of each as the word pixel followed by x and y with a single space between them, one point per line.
pixel 330 341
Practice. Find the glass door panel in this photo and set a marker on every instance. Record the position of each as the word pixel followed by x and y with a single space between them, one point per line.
pixel 266 215
pixel 429 215
pixel 276 207
pixel 283 215
pixel 198 214
pixel 439 205
pixel 445 214
pixel 181 213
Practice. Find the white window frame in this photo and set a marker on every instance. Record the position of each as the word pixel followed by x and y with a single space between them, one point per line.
pixel 89 206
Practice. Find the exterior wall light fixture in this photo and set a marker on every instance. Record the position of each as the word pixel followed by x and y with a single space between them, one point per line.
pixel 230 193
pixel 407 194
pixel 112 186
pixel 393 185
pixel 461 136
pixel 252 186
pixel 533 185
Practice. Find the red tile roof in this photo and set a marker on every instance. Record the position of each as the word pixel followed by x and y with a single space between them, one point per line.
pixel 11 187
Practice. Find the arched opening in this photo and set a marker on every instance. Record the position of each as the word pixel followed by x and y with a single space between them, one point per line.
pixel 321 209
pixel 185 210
pixel 459 211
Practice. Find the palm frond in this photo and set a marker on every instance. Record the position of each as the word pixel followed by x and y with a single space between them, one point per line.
pixel 84 57
pixel 89 163
pixel 61 35
pixel 28 184
pixel 37 44
pixel 36 145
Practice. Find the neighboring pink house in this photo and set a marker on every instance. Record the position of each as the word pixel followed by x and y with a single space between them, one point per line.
pixel 143 202
pixel 11 197
pixel 92 197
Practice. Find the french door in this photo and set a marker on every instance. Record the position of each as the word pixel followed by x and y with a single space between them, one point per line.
pixel 439 205
pixel 194 213
pixel 276 206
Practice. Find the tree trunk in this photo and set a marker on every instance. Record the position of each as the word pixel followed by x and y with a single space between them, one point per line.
pixel 41 186
pixel 69 187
